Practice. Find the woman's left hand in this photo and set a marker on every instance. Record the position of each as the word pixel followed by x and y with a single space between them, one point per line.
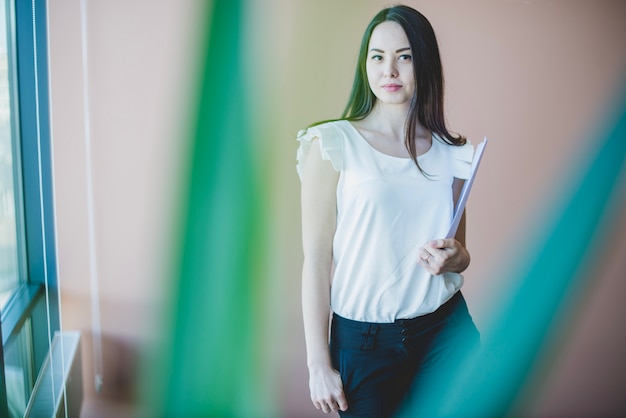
pixel 443 255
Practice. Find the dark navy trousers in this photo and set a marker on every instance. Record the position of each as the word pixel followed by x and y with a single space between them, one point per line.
pixel 382 364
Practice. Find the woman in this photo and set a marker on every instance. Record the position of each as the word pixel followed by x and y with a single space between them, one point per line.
pixel 378 192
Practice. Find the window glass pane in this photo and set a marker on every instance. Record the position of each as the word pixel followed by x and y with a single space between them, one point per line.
pixel 18 370
pixel 10 234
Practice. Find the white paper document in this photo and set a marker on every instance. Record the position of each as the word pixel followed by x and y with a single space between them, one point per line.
pixel 465 191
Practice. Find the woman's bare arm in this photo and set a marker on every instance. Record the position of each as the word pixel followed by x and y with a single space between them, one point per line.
pixel 319 203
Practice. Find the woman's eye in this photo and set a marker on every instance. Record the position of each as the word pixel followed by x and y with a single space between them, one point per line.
pixel 404 57
pixel 376 57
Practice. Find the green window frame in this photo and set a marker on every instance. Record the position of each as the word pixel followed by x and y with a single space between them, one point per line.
pixel 30 317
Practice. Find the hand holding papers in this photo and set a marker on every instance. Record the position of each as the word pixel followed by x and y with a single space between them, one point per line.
pixel 465 191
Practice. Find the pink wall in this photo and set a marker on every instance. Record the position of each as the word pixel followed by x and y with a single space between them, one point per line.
pixel 537 77
pixel 141 67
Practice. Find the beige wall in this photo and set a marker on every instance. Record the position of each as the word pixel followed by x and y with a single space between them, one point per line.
pixel 536 77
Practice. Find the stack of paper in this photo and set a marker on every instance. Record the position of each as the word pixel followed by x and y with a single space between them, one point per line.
pixel 465 191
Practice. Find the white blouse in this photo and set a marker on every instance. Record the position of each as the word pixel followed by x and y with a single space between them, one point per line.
pixel 386 210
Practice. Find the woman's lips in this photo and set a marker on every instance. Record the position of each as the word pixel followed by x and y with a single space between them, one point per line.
pixel 391 87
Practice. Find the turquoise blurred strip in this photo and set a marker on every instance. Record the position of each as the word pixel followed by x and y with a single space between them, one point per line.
pixel 561 265
pixel 209 366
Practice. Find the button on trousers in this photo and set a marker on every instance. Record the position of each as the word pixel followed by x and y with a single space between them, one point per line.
pixel 382 364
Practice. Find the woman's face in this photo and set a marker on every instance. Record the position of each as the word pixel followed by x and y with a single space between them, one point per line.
pixel 389 65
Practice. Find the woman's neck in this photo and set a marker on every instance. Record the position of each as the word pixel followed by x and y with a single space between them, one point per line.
pixel 391 119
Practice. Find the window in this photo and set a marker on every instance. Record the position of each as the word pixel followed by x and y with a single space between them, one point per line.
pixel 28 286
pixel 11 233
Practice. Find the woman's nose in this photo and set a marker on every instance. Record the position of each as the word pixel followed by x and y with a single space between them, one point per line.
pixel 391 70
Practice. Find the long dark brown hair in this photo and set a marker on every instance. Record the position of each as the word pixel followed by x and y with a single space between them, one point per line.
pixel 426 106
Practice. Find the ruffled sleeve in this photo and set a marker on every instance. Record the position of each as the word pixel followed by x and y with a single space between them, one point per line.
pixel 462 160
pixel 330 146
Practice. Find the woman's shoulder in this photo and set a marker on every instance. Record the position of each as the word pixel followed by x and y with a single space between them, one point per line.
pixel 322 129
pixel 329 134
pixel 460 156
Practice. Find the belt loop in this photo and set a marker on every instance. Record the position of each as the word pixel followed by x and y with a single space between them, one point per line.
pixel 368 338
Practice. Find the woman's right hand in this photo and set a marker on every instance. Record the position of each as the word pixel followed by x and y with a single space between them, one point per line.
pixel 327 390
